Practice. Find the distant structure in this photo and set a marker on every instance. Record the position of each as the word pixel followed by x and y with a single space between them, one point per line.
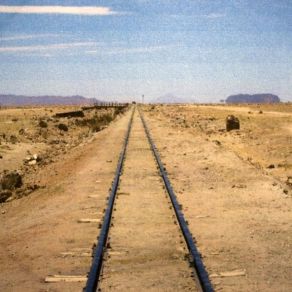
pixel 255 98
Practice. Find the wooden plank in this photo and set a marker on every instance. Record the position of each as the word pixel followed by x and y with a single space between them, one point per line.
pixel 235 273
pixel 117 252
pixel 202 216
pixel 76 254
pixel 65 278
pixel 88 220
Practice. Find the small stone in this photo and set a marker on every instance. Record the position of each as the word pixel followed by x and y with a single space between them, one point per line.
pixel 28 158
pixel 21 132
pixel 239 186
pixel 63 127
pixel 285 191
pixel 43 124
pixel 271 166
pixel 32 162
pixel 4 195
pixel 13 139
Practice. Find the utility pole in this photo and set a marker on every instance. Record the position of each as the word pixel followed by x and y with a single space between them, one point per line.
pixel 142 98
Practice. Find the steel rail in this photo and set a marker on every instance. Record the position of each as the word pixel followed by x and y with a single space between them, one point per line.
pixel 200 270
pixel 94 273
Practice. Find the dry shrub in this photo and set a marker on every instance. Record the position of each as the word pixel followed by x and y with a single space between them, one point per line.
pixel 95 123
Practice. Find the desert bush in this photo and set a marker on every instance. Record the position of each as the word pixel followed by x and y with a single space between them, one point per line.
pixel 95 123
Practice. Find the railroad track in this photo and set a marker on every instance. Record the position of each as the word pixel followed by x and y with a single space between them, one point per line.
pixel 144 242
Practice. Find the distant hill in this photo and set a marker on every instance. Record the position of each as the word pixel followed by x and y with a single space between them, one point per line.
pixel 170 98
pixel 255 98
pixel 16 100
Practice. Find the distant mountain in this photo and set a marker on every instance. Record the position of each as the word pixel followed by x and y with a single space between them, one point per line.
pixel 16 100
pixel 170 98
pixel 255 98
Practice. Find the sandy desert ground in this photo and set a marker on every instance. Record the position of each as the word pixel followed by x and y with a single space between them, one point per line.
pixel 235 189
pixel 237 204
pixel 32 137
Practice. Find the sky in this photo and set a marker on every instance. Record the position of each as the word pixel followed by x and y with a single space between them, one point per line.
pixel 201 50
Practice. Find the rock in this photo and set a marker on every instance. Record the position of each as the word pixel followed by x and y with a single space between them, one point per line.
pixel 53 142
pixel 260 112
pixel 232 123
pixel 21 132
pixel 43 124
pixel 239 186
pixel 4 195
pixel 271 166
pixel 32 159
pixel 32 162
pixel 63 127
pixel 289 181
pixel 1 156
pixel 10 180
pixel 27 158
pixel 13 139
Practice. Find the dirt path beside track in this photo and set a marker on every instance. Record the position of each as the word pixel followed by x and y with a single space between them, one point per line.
pixel 35 230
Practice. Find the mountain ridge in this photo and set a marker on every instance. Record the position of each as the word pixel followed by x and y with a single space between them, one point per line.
pixel 170 98
pixel 18 100
pixel 253 98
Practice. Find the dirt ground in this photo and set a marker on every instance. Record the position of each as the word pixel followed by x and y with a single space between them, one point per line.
pixel 31 132
pixel 264 139
pixel 237 205
pixel 238 209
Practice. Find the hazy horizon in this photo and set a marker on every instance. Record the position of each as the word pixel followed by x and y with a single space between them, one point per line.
pixel 197 50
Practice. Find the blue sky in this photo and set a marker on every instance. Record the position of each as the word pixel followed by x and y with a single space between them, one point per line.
pixel 202 50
